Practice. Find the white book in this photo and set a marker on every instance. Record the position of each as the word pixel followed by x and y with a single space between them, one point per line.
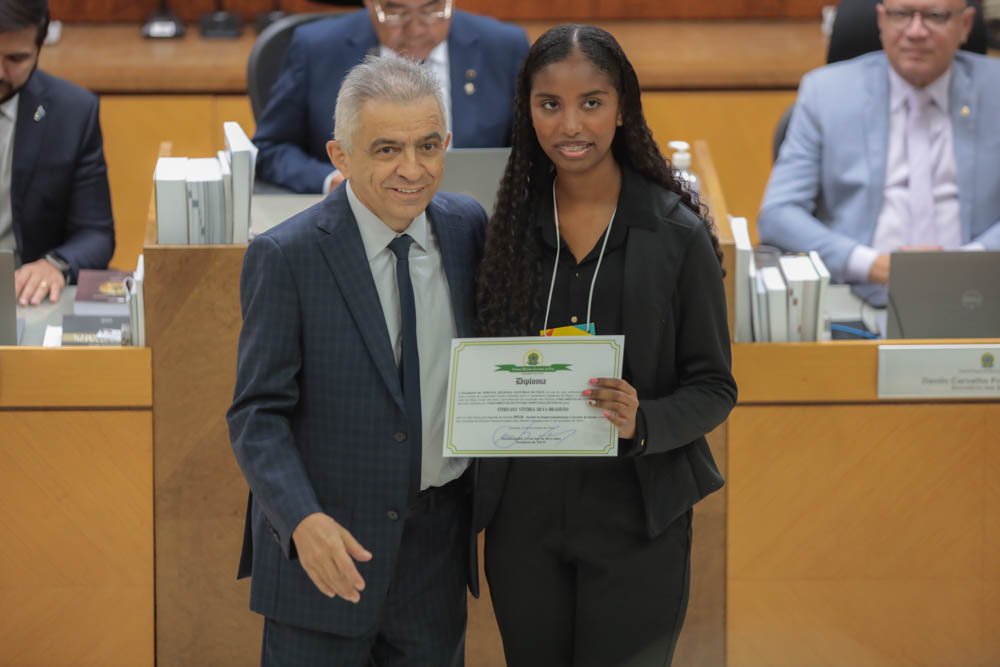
pixel 754 301
pixel 137 306
pixel 227 193
pixel 170 181
pixel 206 213
pixel 762 323
pixel 777 303
pixel 824 287
pixel 743 326
pixel 242 159
pixel 803 293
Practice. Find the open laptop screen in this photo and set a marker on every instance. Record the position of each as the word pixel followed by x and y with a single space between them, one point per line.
pixel 475 172
pixel 949 294
pixel 8 304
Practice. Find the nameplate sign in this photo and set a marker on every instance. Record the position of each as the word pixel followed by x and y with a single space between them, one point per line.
pixel 939 371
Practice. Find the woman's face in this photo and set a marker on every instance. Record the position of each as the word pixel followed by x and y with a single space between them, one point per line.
pixel 574 109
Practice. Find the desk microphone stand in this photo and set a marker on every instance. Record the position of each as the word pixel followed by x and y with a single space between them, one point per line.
pixel 221 24
pixel 163 24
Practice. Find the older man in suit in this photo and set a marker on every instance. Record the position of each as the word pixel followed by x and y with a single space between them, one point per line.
pixel 475 58
pixel 358 531
pixel 891 151
pixel 55 204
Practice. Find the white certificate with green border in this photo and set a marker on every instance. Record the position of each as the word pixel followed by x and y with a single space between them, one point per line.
pixel 524 396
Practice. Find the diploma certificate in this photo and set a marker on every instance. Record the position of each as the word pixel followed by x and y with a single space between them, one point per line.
pixel 524 396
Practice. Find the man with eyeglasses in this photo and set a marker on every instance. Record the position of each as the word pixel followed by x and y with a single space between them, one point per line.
pixel 893 150
pixel 476 59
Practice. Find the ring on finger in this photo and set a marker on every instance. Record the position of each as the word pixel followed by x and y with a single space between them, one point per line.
pixel 43 284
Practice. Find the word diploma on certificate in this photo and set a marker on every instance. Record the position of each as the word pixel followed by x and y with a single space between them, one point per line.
pixel 524 396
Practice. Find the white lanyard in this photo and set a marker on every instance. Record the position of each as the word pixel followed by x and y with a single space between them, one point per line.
pixel 555 268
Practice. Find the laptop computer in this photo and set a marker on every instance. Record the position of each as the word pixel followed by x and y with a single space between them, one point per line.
pixel 475 172
pixel 949 294
pixel 8 303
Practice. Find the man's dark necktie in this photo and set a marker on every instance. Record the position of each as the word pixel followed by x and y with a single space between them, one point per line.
pixel 409 361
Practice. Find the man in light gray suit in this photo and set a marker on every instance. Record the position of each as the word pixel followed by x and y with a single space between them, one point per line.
pixel 893 150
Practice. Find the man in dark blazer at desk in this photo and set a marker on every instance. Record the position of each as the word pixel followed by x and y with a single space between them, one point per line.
pixel 359 532
pixel 55 204
pixel 476 58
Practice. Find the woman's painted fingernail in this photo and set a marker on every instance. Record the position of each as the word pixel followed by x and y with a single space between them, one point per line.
pixel 587 392
pixel 592 403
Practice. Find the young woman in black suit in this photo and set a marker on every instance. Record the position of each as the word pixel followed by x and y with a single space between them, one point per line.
pixel 588 560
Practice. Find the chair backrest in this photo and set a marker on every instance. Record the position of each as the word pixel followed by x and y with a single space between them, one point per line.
pixel 855 30
pixel 779 131
pixel 267 55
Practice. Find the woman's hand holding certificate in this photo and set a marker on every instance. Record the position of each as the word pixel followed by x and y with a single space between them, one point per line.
pixel 527 397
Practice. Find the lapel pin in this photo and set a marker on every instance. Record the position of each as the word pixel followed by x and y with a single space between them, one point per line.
pixel 39 113
pixel 470 74
pixel 966 111
pixel 470 88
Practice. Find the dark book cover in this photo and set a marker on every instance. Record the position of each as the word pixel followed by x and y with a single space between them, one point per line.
pixel 95 330
pixel 101 293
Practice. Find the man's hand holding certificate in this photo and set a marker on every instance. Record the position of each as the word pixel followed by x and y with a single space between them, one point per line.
pixel 525 396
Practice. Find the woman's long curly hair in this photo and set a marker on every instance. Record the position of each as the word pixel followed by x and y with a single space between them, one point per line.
pixel 508 285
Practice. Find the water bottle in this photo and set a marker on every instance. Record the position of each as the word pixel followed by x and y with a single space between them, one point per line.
pixel 682 165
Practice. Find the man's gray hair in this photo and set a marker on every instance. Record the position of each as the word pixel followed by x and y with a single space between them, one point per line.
pixel 392 78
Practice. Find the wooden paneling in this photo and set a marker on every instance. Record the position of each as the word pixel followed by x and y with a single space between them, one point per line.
pixel 76 582
pixel 738 125
pixel 863 535
pixel 74 377
pixel 578 10
pixel 133 128
pixel 192 323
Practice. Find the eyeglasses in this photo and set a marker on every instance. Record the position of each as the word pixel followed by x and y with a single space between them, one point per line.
pixel 432 12
pixel 932 18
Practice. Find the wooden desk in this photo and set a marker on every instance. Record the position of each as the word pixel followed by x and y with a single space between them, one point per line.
pixel 861 532
pixel 667 55
pixel 76 565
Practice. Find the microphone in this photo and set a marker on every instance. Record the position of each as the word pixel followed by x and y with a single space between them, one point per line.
pixel 163 24
pixel 221 24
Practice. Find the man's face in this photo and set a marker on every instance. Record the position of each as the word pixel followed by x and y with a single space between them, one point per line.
pixel 921 46
pixel 410 27
pixel 18 57
pixel 396 158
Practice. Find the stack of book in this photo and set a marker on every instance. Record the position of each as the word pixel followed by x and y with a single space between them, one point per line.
pixel 783 301
pixel 206 200
pixel 100 310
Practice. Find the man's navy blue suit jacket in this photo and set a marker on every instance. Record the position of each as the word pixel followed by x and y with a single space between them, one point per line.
pixel 318 404
pixel 60 197
pixel 298 120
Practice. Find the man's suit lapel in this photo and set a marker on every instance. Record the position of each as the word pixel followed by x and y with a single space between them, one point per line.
pixel 875 118
pixel 464 63
pixel 458 267
pixel 29 137
pixel 344 252
pixel 962 102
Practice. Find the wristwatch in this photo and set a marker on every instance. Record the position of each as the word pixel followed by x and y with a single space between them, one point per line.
pixel 60 263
